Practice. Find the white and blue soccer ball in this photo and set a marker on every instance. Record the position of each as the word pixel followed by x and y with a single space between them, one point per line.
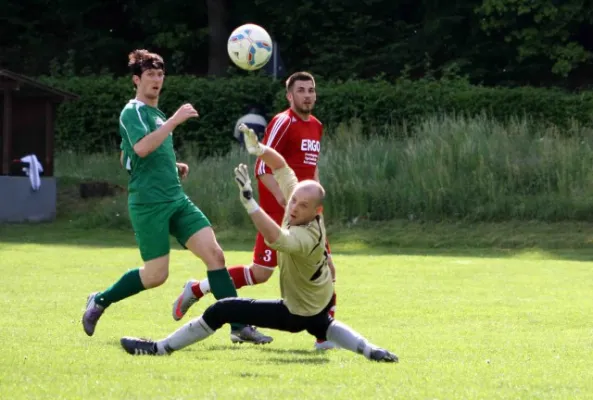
pixel 250 47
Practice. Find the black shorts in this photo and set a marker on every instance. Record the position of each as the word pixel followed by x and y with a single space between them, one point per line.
pixel 271 314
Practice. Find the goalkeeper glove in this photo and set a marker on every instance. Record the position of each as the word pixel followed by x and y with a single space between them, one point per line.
pixel 244 183
pixel 252 145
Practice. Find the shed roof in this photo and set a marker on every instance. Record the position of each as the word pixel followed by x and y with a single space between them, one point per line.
pixel 30 86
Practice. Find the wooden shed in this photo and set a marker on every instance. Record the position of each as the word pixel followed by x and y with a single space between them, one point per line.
pixel 27 115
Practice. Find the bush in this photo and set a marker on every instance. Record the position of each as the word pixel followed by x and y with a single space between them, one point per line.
pixel 381 105
pixel 91 124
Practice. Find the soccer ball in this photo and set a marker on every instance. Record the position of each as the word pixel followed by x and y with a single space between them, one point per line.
pixel 250 47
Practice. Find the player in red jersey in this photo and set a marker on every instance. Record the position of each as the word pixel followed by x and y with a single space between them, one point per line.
pixel 296 134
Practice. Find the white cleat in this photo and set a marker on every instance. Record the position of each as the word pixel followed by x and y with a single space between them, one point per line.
pixel 186 299
pixel 326 345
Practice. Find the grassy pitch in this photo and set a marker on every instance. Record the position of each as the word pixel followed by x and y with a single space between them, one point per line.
pixel 468 324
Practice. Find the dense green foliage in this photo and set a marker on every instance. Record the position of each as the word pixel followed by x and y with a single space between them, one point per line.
pixel 91 124
pixel 492 41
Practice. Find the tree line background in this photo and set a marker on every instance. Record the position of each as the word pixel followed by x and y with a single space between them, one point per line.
pixel 492 42
pixel 488 96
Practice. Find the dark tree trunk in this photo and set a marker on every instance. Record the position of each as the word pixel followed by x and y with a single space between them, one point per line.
pixel 217 24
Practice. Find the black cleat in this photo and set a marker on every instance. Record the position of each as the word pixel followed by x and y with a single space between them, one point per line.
pixel 249 334
pixel 382 355
pixel 139 347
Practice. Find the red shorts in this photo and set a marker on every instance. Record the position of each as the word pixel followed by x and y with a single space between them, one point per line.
pixel 265 256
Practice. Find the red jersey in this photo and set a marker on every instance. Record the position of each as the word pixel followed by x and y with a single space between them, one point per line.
pixel 299 142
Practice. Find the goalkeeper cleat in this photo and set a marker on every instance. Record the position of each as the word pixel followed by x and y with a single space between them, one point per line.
pixel 382 355
pixel 139 347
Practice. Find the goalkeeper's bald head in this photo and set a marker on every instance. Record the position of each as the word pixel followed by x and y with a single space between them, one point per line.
pixel 313 189
pixel 306 202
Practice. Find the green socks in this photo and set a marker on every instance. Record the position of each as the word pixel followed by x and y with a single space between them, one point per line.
pixel 221 286
pixel 128 285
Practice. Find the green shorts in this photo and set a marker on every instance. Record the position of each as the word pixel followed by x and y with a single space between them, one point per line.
pixel 153 223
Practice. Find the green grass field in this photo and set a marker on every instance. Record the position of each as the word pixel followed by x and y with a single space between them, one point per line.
pixel 466 322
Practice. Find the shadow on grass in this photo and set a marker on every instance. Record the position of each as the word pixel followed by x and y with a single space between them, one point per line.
pixel 315 361
pixel 565 241
pixel 256 375
pixel 300 352
pixel 284 356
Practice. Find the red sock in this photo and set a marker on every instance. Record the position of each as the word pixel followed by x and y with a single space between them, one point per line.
pixel 332 310
pixel 242 275
pixel 195 288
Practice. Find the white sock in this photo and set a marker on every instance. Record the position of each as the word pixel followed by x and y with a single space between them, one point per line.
pixel 205 286
pixel 190 333
pixel 347 338
pixel 247 274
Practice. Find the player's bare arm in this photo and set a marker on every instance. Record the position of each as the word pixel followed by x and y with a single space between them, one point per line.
pixel 272 185
pixel 183 170
pixel 274 160
pixel 276 134
pixel 153 140
pixel 269 229
pixel 316 176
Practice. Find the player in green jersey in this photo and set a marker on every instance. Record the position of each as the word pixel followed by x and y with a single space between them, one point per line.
pixel 305 279
pixel 157 204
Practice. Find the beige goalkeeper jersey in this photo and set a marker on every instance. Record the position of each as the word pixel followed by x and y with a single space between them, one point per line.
pixel 305 279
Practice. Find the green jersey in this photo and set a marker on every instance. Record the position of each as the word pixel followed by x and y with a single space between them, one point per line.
pixel 125 159
pixel 154 178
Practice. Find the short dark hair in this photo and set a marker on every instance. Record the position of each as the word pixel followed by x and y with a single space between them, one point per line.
pixel 299 76
pixel 141 60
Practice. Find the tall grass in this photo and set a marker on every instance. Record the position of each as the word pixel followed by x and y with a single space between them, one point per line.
pixel 447 167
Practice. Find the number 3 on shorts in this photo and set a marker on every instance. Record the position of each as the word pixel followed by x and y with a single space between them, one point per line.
pixel 267 255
